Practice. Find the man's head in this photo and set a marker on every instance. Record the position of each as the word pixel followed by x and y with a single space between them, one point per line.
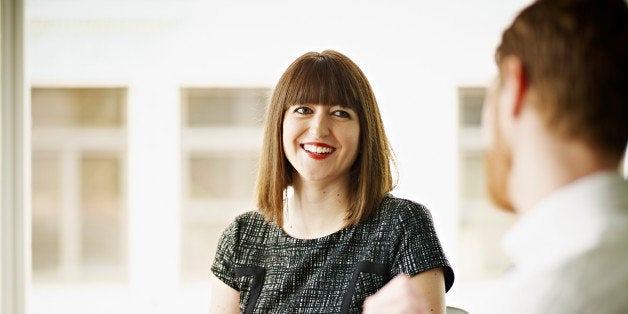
pixel 569 62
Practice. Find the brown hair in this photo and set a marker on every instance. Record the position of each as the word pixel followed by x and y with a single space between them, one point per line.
pixel 575 59
pixel 328 78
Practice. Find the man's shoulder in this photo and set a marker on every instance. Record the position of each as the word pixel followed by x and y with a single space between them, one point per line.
pixel 594 281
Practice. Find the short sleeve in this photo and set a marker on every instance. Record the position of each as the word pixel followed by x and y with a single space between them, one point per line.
pixel 223 267
pixel 416 245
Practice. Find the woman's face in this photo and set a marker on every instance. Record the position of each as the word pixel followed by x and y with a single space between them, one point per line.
pixel 320 141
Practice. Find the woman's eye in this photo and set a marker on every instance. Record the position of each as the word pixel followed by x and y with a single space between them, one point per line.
pixel 303 110
pixel 341 114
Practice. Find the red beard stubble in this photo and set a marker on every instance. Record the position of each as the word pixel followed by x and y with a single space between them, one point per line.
pixel 497 166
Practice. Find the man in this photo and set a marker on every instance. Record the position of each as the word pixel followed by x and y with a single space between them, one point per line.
pixel 556 123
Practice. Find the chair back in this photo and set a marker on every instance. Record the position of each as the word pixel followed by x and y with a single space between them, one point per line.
pixel 455 310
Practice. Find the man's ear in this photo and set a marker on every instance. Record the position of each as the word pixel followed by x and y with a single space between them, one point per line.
pixel 515 84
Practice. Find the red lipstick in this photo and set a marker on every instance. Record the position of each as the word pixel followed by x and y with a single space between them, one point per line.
pixel 311 148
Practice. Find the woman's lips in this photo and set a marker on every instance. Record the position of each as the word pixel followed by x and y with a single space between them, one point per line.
pixel 318 151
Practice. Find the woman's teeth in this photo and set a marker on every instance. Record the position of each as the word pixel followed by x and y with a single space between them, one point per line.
pixel 317 149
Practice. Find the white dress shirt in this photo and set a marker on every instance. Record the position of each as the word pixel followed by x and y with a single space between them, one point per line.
pixel 570 252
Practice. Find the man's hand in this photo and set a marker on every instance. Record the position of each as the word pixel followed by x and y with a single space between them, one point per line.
pixel 398 296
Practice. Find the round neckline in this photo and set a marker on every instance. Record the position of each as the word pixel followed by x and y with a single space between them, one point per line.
pixel 284 235
pixel 287 236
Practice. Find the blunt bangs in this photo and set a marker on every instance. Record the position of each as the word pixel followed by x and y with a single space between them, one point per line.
pixel 320 80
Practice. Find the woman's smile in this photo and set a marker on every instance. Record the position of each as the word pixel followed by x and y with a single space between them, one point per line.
pixel 318 151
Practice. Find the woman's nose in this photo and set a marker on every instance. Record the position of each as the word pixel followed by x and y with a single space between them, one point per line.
pixel 319 125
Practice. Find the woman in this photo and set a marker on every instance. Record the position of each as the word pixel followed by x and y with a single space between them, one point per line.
pixel 339 236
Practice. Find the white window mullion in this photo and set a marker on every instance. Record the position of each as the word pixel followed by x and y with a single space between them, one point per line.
pixel 70 231
pixel 154 188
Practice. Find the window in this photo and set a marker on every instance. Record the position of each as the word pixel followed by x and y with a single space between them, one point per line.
pixel 78 213
pixel 481 226
pixel 221 138
pixel 148 119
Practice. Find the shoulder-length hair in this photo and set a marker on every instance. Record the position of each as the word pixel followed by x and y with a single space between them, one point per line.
pixel 328 78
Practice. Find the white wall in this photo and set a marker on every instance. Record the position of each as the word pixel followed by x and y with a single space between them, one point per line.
pixel 415 54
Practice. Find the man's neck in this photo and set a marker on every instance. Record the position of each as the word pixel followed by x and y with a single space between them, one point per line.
pixel 544 162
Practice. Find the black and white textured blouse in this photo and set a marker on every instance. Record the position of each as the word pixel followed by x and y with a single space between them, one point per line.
pixel 276 273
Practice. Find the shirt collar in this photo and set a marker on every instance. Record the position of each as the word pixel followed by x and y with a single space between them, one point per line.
pixel 566 222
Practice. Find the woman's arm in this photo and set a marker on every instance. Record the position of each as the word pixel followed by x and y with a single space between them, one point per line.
pixel 224 299
pixel 423 293
pixel 430 285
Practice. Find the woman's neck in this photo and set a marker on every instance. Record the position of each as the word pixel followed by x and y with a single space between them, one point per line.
pixel 316 209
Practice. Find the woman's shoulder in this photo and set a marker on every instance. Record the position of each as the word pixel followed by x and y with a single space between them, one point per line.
pixel 252 216
pixel 248 226
pixel 400 215
pixel 249 220
pixel 245 223
pixel 401 208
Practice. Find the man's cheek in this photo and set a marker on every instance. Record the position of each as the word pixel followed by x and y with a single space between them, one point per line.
pixel 487 132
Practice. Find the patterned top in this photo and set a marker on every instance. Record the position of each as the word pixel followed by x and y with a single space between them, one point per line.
pixel 277 273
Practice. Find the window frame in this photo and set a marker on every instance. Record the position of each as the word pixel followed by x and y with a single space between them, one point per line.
pixel 80 142
pixel 214 141
pixel 15 160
